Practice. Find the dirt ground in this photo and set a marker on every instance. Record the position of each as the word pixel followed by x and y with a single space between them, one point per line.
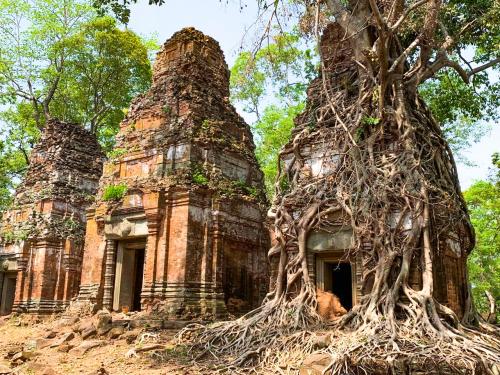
pixel 21 337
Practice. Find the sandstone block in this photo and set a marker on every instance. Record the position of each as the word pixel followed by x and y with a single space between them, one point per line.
pixel 85 346
pixel 89 332
pixel 23 356
pixel 63 339
pixel 103 322
pixel 131 336
pixel 65 347
pixel 43 343
pixel 5 370
pixel 315 364
pixel 116 332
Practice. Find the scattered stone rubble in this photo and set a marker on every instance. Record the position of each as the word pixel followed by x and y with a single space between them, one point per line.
pixel 77 337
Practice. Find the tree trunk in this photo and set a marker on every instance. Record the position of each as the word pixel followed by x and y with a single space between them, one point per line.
pixel 388 174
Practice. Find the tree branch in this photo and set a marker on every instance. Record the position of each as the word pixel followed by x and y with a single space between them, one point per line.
pixel 378 17
pixel 53 88
pixel 404 55
pixel 483 67
pixel 405 15
pixel 442 60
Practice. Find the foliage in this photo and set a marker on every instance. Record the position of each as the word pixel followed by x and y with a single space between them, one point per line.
pixel 273 131
pixel 496 163
pixel 462 109
pixel 247 83
pixel 21 134
pixel 241 186
pixel 109 63
pixel 279 70
pixel 59 59
pixel 34 49
pixel 483 201
pixel 114 192
pixel 120 8
pixel 198 175
pixel 116 153
pixel 10 236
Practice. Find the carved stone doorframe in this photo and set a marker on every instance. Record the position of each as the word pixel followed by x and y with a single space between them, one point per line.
pixel 334 257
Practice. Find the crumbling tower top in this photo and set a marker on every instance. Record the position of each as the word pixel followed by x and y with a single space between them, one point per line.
pixel 65 165
pixel 60 182
pixel 191 54
pixel 336 50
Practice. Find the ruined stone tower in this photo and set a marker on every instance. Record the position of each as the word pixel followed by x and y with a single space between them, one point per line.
pixel 333 264
pixel 178 223
pixel 42 234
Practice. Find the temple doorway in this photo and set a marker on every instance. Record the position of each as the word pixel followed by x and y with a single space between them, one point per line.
pixel 129 275
pixel 340 282
pixel 7 292
pixel 337 276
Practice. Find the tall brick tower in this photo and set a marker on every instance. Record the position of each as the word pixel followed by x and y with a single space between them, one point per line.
pixel 178 223
pixel 335 264
pixel 41 236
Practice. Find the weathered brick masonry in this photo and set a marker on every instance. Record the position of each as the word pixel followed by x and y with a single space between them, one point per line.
pixel 187 236
pixel 42 234
pixel 330 265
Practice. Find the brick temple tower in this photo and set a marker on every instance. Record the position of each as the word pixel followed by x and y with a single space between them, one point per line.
pixel 42 234
pixel 178 222
pixel 333 264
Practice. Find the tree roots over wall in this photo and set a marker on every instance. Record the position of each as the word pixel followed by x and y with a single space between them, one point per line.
pixel 393 181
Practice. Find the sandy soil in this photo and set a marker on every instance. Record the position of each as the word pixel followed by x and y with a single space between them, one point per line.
pixel 17 333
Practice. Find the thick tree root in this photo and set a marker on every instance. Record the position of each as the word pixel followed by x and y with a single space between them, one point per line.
pixel 264 342
pixel 366 155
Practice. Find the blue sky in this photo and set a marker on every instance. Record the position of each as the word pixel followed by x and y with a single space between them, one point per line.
pixel 228 24
pixel 223 22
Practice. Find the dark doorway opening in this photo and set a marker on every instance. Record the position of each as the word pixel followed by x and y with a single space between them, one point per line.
pixel 129 276
pixel 341 284
pixel 7 293
pixel 139 274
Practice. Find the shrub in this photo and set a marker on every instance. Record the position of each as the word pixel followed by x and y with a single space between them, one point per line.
pixel 114 192
pixel 198 175
pixel 116 153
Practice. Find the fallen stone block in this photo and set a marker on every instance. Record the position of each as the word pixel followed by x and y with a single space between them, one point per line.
pixel 12 348
pixel 23 356
pixel 103 322
pixel 50 335
pixel 315 364
pixel 64 338
pixel 5 370
pixel 85 346
pixel 64 348
pixel 88 332
pixel 40 369
pixel 131 336
pixel 42 343
pixel 120 322
pixel 175 324
pixel 116 332
pixel 146 323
